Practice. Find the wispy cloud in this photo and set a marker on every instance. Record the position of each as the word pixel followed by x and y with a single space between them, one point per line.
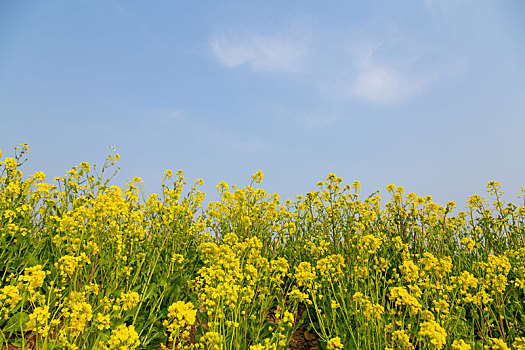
pixel 260 52
pixel 376 63
pixel 381 82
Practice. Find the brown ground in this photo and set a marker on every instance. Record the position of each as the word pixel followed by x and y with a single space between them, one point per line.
pixel 30 343
pixel 301 339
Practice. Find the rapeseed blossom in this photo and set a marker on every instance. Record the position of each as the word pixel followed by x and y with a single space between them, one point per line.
pixel 9 298
pixel 92 265
pixel 402 339
pixel 38 320
pixel 128 300
pixel 78 312
pixel 402 296
pixel 123 338
pixel 496 344
pixel 33 278
pixel 434 332
pixel 304 274
pixel 334 344
pixel 102 321
pixel 181 318
pixel 460 345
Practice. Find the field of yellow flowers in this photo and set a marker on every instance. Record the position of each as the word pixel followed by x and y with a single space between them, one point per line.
pixel 88 265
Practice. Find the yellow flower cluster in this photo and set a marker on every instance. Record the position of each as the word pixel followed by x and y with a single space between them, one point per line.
pixel 128 300
pixel 334 344
pixel 68 264
pixel 213 341
pixel 329 268
pixel 496 344
pixel 304 274
pixel 9 298
pixel 460 345
pixel 181 318
pixel 102 321
pixel 38 320
pixel 33 278
pixel 78 312
pixel 91 265
pixel 410 271
pixel 123 338
pixel 434 332
pixel 403 297
pixel 370 310
pixel 402 339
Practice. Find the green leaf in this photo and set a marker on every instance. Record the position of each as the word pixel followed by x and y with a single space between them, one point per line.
pixel 16 323
pixel 151 291
pixel 153 341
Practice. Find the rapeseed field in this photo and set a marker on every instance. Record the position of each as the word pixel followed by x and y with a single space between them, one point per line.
pixel 88 265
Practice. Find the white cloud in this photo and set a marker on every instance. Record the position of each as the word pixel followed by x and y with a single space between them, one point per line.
pixel 384 83
pixel 259 52
pixel 386 68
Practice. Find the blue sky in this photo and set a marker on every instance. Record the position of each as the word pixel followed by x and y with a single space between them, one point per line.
pixel 427 94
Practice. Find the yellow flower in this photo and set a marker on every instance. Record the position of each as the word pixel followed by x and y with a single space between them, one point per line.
pixel 38 320
pixel 460 345
pixel 68 264
pixel 304 274
pixel 373 311
pixel 475 201
pixel 288 318
pixel 92 288
pixel 124 338
pixel 403 297
pixel 78 311
pixel 223 186
pixel 410 270
pixel 181 317
pixel 467 280
pixel 497 344
pixel 330 267
pixel 128 300
pixel 468 243
pixel 519 343
pixel 434 331
pixel 258 176
pixel 402 339
pixel 9 298
pixel 441 306
pixel 33 277
pixel 102 321
pixel 177 258
pixel 371 243
pixel 213 340
pixel 334 344
pixel 10 163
